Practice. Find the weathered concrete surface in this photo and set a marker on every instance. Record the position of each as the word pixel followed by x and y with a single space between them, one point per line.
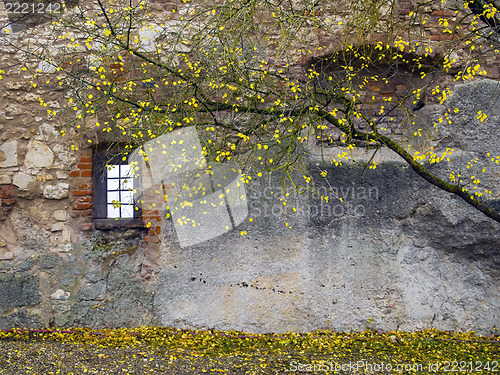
pixel 397 254
pixel 475 142
pixel 388 257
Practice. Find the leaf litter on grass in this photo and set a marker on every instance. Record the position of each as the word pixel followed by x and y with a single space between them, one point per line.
pixel 164 350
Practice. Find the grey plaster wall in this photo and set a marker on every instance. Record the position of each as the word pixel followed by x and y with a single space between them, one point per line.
pixel 397 254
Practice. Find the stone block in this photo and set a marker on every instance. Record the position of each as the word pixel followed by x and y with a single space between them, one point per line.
pixel 65 248
pixel 18 291
pixel 6 254
pixel 60 308
pixel 8 154
pixel 57 227
pixel 93 292
pixel 47 133
pixel 50 261
pixel 63 319
pixel 39 155
pixel 45 215
pixel 61 175
pixel 68 281
pixel 64 155
pixel 5 179
pixel 15 85
pixel 22 180
pixel 60 294
pixel 58 191
pixel 30 97
pixel 60 215
pixel 20 318
pixel 65 236
pixel 46 67
pixel 94 276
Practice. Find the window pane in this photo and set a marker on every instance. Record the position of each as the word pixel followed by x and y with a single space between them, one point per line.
pixel 127 211
pixel 127 184
pixel 119 189
pixel 127 197
pixel 113 196
pixel 113 212
pixel 113 184
pixel 113 171
pixel 125 171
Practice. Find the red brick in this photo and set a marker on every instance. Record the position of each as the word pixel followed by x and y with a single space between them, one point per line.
pixel 85 153
pixel 82 205
pixel 441 13
pixel 87 226
pixel 75 174
pixel 151 218
pixel 86 159
pixel 493 72
pixel 158 230
pixel 443 37
pixel 85 212
pixel 153 239
pixel 85 166
pixel 84 186
pixel 84 199
pixel 81 192
pixel 86 173
pixel 9 191
pixel 74 213
pixel 8 202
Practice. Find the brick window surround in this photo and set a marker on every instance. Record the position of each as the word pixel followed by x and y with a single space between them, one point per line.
pixel 102 159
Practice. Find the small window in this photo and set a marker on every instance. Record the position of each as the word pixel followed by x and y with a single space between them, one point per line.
pixel 114 186
pixel 120 191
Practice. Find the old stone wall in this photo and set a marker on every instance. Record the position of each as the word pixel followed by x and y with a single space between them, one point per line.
pixel 396 254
